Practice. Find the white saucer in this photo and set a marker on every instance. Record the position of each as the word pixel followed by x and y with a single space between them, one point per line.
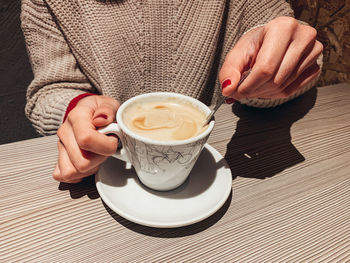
pixel 203 193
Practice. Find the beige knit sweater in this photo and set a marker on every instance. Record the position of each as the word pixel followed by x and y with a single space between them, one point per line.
pixel 124 48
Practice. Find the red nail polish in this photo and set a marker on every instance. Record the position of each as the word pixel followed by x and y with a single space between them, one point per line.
pixel 86 154
pixel 226 83
pixel 104 116
pixel 230 100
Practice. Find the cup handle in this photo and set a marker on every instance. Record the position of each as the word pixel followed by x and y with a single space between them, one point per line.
pixel 114 128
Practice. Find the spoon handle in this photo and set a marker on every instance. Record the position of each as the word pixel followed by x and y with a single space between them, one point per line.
pixel 211 114
pixel 220 102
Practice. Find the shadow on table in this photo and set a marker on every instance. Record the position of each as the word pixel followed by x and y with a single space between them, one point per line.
pixel 261 146
pixel 86 187
pixel 172 232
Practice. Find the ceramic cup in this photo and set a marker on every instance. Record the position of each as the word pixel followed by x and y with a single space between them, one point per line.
pixel 160 165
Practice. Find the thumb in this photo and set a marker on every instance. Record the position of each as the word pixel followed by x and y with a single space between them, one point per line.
pixel 229 77
pixel 104 114
pixel 238 60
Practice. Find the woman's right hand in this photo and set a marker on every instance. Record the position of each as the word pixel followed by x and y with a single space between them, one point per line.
pixel 81 148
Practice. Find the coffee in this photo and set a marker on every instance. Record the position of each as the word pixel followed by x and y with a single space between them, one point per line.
pixel 164 120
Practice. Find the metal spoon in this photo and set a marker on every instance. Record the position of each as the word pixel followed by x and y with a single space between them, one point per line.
pixel 220 102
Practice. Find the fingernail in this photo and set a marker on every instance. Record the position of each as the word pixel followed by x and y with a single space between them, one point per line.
pixel 230 100
pixel 226 83
pixel 104 116
pixel 86 154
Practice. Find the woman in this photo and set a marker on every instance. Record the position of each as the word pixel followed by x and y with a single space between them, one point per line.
pixel 91 55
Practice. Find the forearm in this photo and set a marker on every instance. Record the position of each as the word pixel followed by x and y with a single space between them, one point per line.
pixel 46 108
pixel 57 76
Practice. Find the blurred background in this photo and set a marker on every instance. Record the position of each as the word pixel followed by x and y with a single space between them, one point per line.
pixel 332 21
pixel 330 18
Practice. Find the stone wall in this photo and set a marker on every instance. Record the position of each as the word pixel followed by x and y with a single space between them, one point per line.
pixel 332 21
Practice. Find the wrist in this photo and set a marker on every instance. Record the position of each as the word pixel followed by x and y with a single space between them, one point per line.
pixel 73 103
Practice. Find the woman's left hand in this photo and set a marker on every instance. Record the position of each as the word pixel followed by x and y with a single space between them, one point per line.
pixel 281 55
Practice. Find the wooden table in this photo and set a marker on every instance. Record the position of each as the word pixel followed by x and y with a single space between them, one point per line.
pixel 290 196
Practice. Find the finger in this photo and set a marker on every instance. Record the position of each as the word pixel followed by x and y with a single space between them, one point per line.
pixel 307 61
pixel 274 46
pixel 299 56
pixel 65 171
pixel 56 173
pixel 230 72
pixel 82 160
pixel 87 137
pixel 238 60
pixel 104 115
pixel 68 173
pixel 57 176
pixel 297 51
pixel 101 120
pixel 268 60
pixel 305 78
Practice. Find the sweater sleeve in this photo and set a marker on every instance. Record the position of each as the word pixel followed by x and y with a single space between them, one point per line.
pixel 260 12
pixel 257 13
pixel 57 76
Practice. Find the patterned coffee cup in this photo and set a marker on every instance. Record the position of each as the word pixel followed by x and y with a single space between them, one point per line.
pixel 160 165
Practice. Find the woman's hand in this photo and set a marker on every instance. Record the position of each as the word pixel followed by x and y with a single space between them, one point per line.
pixel 81 148
pixel 282 56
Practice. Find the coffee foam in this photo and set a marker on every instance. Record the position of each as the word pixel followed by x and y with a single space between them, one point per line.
pixel 164 120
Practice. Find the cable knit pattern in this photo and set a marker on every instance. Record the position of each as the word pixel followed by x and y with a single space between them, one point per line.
pixel 124 48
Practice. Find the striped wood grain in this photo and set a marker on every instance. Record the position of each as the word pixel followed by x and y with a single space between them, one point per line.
pixel 297 209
